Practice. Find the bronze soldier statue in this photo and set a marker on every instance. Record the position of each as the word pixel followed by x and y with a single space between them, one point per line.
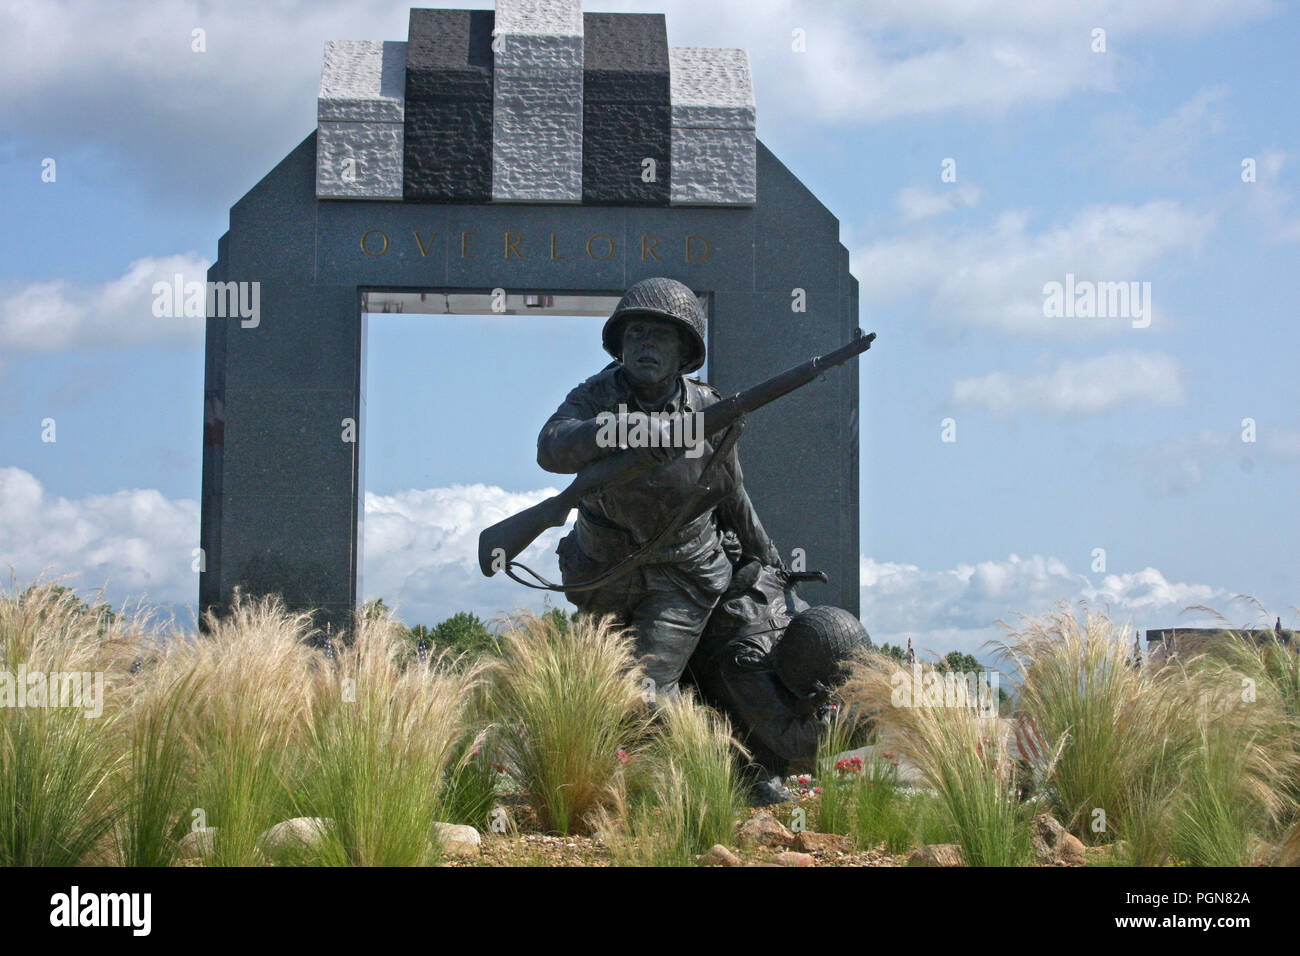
pixel 656 337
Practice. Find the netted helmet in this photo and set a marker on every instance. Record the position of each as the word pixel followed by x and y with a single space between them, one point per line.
pixel 817 647
pixel 664 299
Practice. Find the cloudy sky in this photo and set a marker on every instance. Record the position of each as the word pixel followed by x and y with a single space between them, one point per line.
pixel 974 151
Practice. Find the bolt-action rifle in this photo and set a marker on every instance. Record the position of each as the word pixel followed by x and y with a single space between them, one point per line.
pixel 500 544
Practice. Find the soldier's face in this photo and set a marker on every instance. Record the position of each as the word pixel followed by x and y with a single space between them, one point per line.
pixel 652 351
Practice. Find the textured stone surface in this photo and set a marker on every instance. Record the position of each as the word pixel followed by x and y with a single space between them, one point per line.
pixel 457 840
pixel 447 141
pixel 198 843
pixel 763 829
pixel 544 34
pixel 810 842
pixel 719 855
pixel 626 111
pixel 537 138
pixel 359 160
pixel 791 858
pixel 938 854
pixel 711 88
pixel 362 81
pixel 289 840
pixel 713 166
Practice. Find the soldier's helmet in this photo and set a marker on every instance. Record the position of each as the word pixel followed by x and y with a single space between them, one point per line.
pixel 816 649
pixel 664 299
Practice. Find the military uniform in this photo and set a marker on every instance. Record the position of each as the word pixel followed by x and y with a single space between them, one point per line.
pixel 670 594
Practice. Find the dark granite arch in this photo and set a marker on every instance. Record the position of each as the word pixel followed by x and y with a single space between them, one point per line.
pixel 282 489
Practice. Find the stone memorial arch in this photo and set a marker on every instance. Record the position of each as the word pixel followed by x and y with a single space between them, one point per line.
pixel 540 151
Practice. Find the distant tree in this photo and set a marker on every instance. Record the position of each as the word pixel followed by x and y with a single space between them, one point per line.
pixel 375 608
pixel 58 594
pixel 558 618
pixel 958 663
pixel 462 633
pixel 891 650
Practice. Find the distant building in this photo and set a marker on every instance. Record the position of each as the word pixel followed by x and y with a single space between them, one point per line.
pixel 1166 642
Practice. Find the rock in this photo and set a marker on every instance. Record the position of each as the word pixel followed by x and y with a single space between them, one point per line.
pixel 790 858
pixel 290 840
pixel 1053 843
pixel 809 842
pixel 198 843
pixel 719 855
pixel 1290 855
pixel 763 829
pixel 939 854
pixel 1071 851
pixel 457 840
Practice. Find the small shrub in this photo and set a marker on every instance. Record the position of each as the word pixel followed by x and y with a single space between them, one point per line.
pixel 566 700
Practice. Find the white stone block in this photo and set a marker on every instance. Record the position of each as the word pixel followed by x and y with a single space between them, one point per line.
pixel 714 166
pixel 359 160
pixel 711 88
pixel 537 135
pixel 362 81
pixel 546 34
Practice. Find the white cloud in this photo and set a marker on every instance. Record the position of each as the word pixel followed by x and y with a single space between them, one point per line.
pixel 420 556
pixel 1181 464
pixel 182 116
pixel 1083 387
pixel 914 203
pixel 1272 204
pixel 872 62
pixel 60 315
pixel 993 277
pixel 136 541
pixel 959 608
pixel 420 552
pixel 1160 148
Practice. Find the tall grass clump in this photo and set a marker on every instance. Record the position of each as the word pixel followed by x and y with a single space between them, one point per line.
pixel 1176 757
pixel 566 700
pixel 966 758
pixel 861 797
pixel 56 759
pixel 158 776
pixel 681 791
pixel 470 783
pixel 1119 729
pixel 384 729
pixel 1236 787
pixel 247 721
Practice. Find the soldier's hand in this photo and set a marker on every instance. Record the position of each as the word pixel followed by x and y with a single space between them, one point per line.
pixel 661 440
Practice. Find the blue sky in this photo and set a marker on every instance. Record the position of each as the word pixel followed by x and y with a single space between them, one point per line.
pixel 1072 434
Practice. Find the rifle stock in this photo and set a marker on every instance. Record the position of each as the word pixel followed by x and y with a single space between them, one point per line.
pixel 504 541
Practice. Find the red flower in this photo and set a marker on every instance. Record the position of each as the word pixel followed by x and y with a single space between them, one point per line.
pixel 622 756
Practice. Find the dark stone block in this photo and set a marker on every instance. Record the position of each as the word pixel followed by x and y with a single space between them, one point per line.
pixel 447 134
pixel 285 442
pixel 307 338
pixel 626 109
pixel 808 252
pixel 633 43
pixel 273 227
pixel 449 40
pixel 298 546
